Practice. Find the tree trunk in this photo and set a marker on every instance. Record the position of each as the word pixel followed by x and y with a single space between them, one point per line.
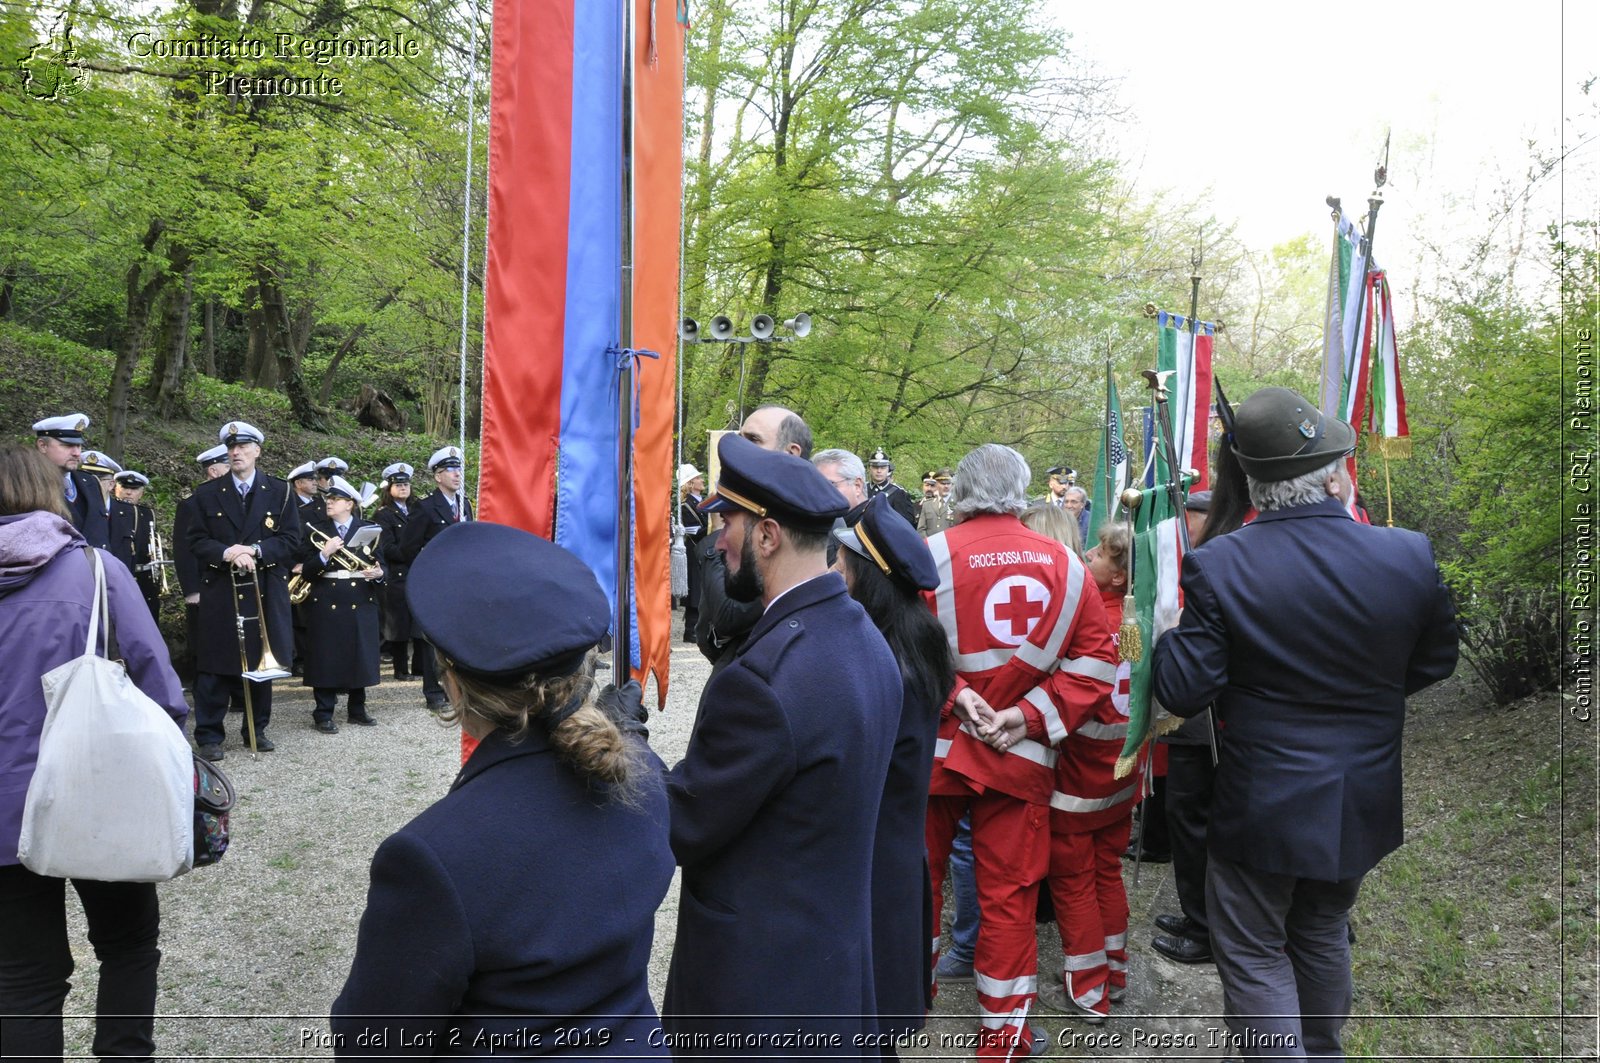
pixel 8 285
pixel 141 297
pixel 325 393
pixel 281 341
pixel 167 388
pixel 208 340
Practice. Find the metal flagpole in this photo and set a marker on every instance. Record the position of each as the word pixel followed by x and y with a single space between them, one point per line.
pixel 622 627
pixel 466 228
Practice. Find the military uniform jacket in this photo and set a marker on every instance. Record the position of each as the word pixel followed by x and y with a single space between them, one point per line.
pixel 396 625
pixel 184 566
pixel 430 517
pixel 537 900
pixel 898 498
pixel 220 519
pixel 774 809
pixel 88 509
pixel 341 617
pixel 315 509
pixel 130 529
pixel 1309 630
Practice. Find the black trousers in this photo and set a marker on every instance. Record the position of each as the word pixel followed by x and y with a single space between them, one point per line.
pixel 211 695
pixel 1191 777
pixel 407 655
pixel 432 688
pixel 36 961
pixel 327 699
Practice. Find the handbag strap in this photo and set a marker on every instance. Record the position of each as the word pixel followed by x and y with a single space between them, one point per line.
pixel 100 610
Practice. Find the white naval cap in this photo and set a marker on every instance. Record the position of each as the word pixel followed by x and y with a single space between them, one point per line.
pixel 686 472
pixel 301 471
pixel 341 488
pixel 216 454
pixel 399 472
pixel 129 478
pixel 96 462
pixel 68 428
pixel 239 432
pixel 330 465
pixel 445 458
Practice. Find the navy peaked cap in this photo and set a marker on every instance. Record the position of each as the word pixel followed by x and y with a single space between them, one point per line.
pixel 888 540
pixel 500 602
pixel 773 483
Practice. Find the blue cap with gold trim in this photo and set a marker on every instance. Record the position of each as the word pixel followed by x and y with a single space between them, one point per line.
pixel 888 540
pixel 773 483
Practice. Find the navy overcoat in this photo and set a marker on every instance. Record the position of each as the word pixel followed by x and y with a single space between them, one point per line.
pixel 219 518
pixel 1309 630
pixel 513 918
pixel 774 808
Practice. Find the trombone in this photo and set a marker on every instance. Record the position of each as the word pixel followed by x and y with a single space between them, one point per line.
pixel 344 557
pixel 268 668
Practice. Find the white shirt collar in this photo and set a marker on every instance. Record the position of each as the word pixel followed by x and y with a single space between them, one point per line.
pixel 247 484
pixel 802 583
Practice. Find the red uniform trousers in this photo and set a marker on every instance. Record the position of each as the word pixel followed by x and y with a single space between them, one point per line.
pixel 1091 912
pixel 1011 850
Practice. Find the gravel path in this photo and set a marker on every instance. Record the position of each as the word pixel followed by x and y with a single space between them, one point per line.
pixel 257 947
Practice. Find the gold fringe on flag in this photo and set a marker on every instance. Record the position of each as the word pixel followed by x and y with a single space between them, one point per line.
pixel 1393 447
pixel 1130 643
pixel 1124 766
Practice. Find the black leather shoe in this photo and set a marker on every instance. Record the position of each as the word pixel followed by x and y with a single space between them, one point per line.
pixel 1182 926
pixel 363 720
pixel 327 727
pixel 1182 949
pixel 1149 856
pixel 437 704
pixel 263 743
pixel 212 753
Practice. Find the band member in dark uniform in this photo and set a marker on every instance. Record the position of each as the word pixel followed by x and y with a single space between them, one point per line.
pixel 393 514
pixel 213 463
pixel 691 492
pixel 61 440
pixel 303 478
pixel 326 470
pixel 133 531
pixel 244 522
pixel 342 611
pixel 446 506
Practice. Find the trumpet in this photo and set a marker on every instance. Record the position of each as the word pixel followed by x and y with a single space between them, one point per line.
pixel 267 668
pixel 158 558
pixel 344 557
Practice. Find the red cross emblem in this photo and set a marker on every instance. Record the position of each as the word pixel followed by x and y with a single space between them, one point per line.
pixel 1013 606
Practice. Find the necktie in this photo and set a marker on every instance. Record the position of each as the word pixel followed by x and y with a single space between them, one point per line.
pixel 244 489
pixel 455 510
pixel 343 529
pixel 72 489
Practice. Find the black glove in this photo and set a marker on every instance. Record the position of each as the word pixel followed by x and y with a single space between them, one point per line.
pixel 625 707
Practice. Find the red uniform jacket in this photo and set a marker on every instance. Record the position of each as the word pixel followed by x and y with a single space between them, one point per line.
pixel 1088 796
pixel 1026 629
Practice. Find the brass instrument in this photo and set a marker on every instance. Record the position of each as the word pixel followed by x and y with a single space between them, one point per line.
pixel 158 559
pixel 268 668
pixel 344 557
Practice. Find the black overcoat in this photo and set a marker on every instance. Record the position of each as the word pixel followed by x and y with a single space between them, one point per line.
pixel 131 527
pixel 521 906
pixel 396 625
pixel 430 517
pixel 88 509
pixel 1309 630
pixel 341 616
pixel 774 808
pixel 222 519
pixel 184 566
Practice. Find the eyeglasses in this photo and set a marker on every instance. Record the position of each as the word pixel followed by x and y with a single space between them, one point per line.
pixel 839 482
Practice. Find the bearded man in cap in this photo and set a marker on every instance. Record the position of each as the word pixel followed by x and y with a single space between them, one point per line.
pixel 61 440
pixel 775 802
pixel 245 522
pixel 725 621
pixel 1309 631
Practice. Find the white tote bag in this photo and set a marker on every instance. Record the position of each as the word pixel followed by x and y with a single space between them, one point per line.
pixel 112 795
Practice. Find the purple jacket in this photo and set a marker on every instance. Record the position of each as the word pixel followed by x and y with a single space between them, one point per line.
pixel 46 590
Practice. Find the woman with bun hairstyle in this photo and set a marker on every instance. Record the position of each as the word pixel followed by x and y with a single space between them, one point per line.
pixel 887 565
pixel 515 915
